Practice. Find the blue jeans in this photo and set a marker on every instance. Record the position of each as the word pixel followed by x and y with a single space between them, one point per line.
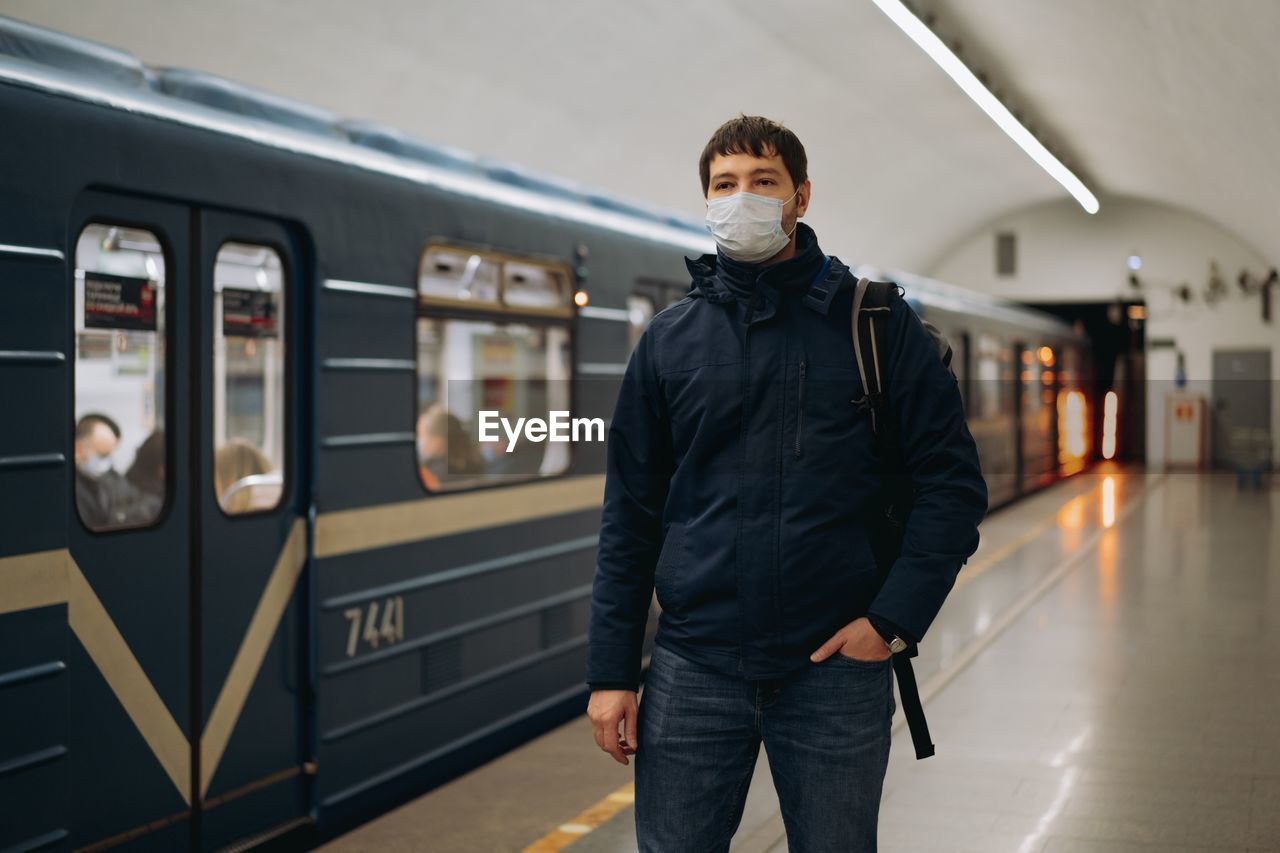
pixel 825 730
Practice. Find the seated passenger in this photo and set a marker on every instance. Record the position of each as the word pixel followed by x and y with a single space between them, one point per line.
pixel 233 463
pixel 104 497
pixel 524 461
pixel 147 470
pixel 445 450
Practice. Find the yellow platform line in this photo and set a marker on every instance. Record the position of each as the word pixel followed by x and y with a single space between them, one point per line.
pixel 585 821
pixel 972 570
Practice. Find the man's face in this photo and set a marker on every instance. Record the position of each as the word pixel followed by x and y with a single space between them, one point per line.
pixel 766 176
pixel 100 442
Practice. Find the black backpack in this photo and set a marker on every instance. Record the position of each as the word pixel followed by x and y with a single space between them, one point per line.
pixel 869 318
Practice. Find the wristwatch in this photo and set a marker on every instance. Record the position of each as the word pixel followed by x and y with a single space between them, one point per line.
pixel 892 640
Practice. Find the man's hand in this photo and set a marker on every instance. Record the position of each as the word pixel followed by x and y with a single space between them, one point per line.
pixel 606 709
pixel 856 640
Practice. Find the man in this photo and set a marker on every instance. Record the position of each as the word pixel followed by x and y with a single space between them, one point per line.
pixel 105 498
pixel 740 475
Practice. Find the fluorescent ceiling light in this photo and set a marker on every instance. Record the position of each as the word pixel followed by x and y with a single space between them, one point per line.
pixel 981 95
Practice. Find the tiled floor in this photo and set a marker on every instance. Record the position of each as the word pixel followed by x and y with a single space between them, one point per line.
pixel 1105 678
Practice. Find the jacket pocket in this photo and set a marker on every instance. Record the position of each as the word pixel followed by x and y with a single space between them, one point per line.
pixel 670 564
pixel 800 407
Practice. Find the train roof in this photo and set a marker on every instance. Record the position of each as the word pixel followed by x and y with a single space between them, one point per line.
pixel 60 64
pixel 43 59
pixel 929 292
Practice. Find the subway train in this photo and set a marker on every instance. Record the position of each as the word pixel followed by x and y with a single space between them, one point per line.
pixel 256 585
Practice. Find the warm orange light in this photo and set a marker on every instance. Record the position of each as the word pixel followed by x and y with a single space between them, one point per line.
pixel 1073 431
pixel 1110 407
pixel 1108 501
pixel 1027 356
pixel 1046 376
pixel 580 298
pixel 1071 516
pixel 1137 312
pixel 1046 356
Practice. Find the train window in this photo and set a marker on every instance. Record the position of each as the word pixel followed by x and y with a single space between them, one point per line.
pixel 248 378
pixel 991 391
pixel 661 291
pixel 516 369
pixel 526 285
pixel 1035 397
pixel 640 311
pixel 119 437
pixel 510 357
pixel 458 275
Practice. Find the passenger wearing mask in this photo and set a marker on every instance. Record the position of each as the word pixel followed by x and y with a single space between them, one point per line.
pixel 105 498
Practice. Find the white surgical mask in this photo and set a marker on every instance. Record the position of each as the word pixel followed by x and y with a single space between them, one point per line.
pixel 748 227
pixel 96 465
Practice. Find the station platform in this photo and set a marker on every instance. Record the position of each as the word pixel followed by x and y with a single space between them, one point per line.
pixel 1105 678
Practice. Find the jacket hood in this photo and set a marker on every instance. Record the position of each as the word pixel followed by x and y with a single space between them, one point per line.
pixel 720 279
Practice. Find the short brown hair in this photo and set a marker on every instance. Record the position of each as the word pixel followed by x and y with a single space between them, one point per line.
pixel 759 137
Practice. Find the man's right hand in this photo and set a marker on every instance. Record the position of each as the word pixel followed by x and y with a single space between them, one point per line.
pixel 608 708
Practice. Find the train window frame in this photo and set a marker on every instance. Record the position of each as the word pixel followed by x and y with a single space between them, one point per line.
pixel 443 309
pixel 156 230
pixel 663 292
pixel 288 294
pixel 567 310
pixel 634 329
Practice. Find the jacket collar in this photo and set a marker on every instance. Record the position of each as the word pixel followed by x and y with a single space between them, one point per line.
pixel 720 279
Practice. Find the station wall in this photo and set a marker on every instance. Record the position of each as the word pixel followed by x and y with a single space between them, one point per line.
pixel 1064 254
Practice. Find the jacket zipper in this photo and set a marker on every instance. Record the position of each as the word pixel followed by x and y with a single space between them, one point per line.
pixel 800 407
pixel 751 304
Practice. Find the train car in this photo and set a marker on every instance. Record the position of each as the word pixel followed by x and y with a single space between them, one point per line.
pixel 1024 377
pixel 253 588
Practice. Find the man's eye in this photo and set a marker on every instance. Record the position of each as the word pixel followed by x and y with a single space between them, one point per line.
pixel 721 186
pixel 766 180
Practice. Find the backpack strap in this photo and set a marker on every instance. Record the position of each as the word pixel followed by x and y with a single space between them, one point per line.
pixel 870 316
pixel 869 319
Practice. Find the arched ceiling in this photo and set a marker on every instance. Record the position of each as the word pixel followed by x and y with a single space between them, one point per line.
pixel 1162 99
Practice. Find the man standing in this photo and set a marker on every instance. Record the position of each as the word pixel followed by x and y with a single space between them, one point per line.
pixel 740 477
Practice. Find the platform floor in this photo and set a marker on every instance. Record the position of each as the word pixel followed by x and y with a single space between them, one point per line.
pixel 1104 678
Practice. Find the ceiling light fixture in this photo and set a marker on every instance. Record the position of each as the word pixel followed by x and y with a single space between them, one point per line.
pixel 947 60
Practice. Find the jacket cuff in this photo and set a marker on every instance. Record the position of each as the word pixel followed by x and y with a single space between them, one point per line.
pixel 888 629
pixel 613 685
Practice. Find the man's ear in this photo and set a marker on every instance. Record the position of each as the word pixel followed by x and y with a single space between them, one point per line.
pixel 802 200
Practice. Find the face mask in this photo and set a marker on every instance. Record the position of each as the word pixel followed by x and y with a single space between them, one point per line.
pixel 95 465
pixel 748 227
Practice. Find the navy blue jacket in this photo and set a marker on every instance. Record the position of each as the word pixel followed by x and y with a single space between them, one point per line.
pixel 739 469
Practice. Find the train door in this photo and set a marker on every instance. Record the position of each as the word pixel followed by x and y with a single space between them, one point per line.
pixel 188 534
pixel 252 530
pixel 128 579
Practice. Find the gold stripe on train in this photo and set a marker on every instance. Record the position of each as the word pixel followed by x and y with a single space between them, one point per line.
pixel 48 578
pixel 352 530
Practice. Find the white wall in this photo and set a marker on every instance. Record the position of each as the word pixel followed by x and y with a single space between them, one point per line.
pixel 1064 254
